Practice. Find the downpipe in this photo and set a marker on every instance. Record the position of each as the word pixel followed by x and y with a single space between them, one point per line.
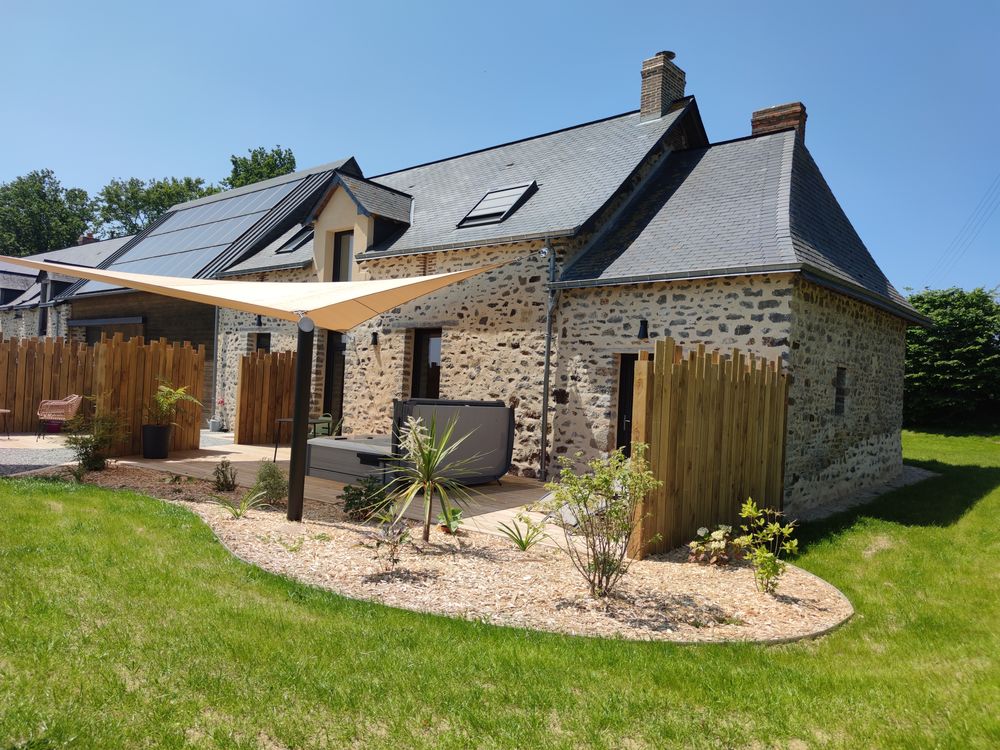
pixel 546 377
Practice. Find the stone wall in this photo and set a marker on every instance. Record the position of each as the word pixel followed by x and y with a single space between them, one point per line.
pixel 24 323
pixel 830 454
pixel 492 347
pixel 596 325
pixel 237 336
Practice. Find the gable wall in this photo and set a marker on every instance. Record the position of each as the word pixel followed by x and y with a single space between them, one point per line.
pixel 831 455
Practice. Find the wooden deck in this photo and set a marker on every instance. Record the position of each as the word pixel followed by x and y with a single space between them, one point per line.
pixel 491 504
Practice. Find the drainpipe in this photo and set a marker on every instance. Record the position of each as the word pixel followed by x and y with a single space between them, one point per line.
pixel 549 315
pixel 215 366
pixel 43 306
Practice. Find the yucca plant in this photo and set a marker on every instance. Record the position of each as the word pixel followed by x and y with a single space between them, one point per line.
pixel 526 537
pixel 239 508
pixel 427 465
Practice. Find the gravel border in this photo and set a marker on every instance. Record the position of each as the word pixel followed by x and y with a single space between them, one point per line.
pixel 484 578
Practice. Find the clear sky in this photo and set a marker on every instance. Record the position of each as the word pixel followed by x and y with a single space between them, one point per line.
pixel 903 97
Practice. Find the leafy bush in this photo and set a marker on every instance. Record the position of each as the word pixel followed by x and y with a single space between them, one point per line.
pixel 389 538
pixel 163 408
pixel 271 482
pixel 238 508
pixel 224 476
pixel 364 499
pixel 605 504
pixel 91 439
pixel 765 540
pixel 953 367
pixel 526 538
pixel 450 520
pixel 714 547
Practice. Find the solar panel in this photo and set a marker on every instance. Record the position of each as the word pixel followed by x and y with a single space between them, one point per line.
pixel 498 204
pixel 192 238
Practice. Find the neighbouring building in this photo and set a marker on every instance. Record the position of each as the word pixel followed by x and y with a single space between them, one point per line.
pixel 616 232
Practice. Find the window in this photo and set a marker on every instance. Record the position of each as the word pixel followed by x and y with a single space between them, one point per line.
pixel 498 204
pixel 426 382
pixel 263 342
pixel 840 391
pixel 343 255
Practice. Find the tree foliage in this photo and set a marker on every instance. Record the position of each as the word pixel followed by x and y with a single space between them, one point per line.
pixel 37 214
pixel 129 206
pixel 953 367
pixel 260 164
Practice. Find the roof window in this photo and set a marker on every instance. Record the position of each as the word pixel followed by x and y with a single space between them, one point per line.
pixel 498 204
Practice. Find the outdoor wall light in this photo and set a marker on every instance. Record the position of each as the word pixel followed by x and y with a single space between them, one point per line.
pixel 374 338
pixel 643 329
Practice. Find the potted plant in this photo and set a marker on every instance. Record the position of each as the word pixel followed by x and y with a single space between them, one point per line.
pixel 215 423
pixel 160 415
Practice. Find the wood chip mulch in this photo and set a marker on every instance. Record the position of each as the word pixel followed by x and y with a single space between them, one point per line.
pixel 482 577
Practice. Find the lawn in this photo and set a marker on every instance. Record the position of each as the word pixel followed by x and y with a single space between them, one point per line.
pixel 124 623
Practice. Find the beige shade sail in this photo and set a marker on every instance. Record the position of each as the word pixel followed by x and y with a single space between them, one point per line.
pixel 335 306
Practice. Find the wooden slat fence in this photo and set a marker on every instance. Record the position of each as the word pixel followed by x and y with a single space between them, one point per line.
pixel 715 428
pixel 265 392
pixel 120 375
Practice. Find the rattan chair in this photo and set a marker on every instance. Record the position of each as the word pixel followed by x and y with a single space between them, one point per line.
pixel 57 411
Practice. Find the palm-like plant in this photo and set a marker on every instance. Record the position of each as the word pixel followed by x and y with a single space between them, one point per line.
pixel 427 465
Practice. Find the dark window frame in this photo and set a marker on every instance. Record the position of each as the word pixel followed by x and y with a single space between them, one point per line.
pixel 425 379
pixel 840 391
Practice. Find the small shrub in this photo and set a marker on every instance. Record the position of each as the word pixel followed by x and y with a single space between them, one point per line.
pixel 450 520
pixel 224 476
pixel 605 502
pixel 389 538
pixel 765 540
pixel 162 410
pixel 238 508
pixel 364 499
pixel 523 538
pixel 271 482
pixel 717 547
pixel 91 439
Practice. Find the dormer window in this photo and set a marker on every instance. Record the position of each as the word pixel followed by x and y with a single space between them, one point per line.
pixel 498 204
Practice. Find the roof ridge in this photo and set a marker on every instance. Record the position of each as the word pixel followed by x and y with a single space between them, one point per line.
pixel 510 143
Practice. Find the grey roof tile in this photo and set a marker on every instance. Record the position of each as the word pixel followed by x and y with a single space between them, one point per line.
pixel 379 200
pixel 754 204
pixel 577 171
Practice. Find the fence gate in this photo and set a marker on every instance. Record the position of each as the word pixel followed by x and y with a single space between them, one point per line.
pixel 715 428
pixel 266 392
pixel 120 375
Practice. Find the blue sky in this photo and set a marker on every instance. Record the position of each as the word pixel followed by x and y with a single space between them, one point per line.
pixel 902 97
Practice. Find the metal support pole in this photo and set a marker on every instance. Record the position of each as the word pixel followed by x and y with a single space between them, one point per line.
pixel 300 419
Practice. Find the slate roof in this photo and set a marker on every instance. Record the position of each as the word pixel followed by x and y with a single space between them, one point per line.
pixel 756 205
pixel 293 249
pixel 90 254
pixel 379 200
pixel 577 170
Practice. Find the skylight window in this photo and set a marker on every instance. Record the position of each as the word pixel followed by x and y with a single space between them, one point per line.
pixel 498 204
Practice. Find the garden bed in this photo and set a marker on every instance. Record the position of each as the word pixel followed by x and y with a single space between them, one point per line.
pixel 483 577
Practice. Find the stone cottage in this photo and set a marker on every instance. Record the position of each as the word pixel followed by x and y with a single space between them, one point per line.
pixel 615 233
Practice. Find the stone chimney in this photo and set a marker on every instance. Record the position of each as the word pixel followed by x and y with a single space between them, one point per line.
pixel 662 84
pixel 782 117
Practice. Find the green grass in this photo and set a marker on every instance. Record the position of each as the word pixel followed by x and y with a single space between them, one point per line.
pixel 123 623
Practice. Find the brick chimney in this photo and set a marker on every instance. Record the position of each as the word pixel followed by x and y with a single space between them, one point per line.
pixel 86 239
pixel 662 84
pixel 781 117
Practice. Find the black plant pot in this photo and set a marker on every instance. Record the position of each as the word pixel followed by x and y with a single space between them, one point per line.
pixel 155 440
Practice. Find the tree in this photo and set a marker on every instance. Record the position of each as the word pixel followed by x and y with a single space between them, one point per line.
pixel 37 214
pixel 129 206
pixel 261 164
pixel 953 367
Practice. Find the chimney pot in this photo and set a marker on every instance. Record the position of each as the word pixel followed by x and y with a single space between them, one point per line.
pixel 780 117
pixel 662 85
